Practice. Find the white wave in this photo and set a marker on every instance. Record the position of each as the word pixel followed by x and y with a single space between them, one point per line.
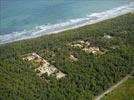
pixel 72 23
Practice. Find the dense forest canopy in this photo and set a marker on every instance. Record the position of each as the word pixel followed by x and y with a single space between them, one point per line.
pixel 86 78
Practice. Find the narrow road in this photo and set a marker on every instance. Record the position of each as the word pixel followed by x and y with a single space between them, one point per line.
pixel 112 88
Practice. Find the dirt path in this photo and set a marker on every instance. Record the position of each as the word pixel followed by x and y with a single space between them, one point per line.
pixel 112 88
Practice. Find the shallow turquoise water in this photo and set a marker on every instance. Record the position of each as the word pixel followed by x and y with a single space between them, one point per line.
pixel 24 18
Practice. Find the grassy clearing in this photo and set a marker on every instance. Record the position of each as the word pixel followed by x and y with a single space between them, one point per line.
pixel 123 92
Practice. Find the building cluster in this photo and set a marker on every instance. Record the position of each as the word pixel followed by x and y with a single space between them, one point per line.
pixel 44 66
pixel 86 46
pixel 73 58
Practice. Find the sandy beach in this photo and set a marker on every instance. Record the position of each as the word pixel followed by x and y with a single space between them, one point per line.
pixel 42 33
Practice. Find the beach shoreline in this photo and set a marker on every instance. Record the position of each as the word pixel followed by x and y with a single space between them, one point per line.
pixel 41 34
pixel 69 24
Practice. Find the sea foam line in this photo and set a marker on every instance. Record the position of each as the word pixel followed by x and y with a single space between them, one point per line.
pixel 72 23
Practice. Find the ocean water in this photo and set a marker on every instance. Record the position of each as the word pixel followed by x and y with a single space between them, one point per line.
pixel 21 19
